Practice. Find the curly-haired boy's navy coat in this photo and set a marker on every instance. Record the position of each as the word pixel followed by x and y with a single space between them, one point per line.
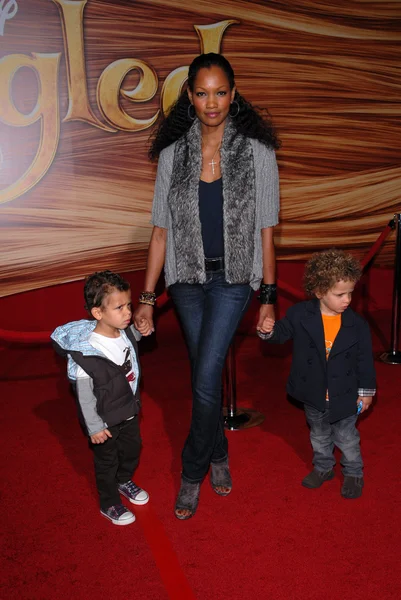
pixel 349 366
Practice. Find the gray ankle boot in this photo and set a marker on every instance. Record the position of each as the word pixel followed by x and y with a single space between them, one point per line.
pixel 220 477
pixel 187 499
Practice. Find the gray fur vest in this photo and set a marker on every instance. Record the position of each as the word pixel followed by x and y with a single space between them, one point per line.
pixel 239 205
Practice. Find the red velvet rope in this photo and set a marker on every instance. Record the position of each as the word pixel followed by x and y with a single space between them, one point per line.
pixel 162 299
pixel 378 243
pixel 25 337
pixel 43 337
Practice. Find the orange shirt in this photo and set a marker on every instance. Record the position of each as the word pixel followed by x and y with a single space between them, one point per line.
pixel 331 326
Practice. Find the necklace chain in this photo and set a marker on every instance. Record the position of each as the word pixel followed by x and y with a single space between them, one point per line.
pixel 214 164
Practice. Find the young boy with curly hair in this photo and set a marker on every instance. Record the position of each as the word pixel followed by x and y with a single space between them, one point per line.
pixel 103 367
pixel 332 371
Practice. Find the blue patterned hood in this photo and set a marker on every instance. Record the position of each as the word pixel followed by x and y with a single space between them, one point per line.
pixel 74 337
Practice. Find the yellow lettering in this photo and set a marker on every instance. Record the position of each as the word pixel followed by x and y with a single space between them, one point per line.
pixel 109 89
pixel 172 88
pixel 46 67
pixel 71 15
pixel 210 37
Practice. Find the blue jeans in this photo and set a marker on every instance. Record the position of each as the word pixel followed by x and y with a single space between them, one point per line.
pixel 210 314
pixel 325 435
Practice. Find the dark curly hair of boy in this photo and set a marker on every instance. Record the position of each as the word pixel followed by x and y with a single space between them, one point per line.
pixel 324 269
pixel 248 121
pixel 102 284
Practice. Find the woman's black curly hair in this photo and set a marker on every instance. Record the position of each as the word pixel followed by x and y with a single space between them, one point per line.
pixel 248 121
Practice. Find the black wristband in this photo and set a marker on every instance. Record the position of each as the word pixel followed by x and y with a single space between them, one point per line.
pixel 268 293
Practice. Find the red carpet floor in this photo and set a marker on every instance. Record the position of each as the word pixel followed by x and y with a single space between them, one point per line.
pixel 270 539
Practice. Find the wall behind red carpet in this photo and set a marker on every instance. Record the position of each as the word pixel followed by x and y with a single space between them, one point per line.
pixel 83 83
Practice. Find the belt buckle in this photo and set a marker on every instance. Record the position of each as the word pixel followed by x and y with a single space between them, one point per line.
pixel 214 264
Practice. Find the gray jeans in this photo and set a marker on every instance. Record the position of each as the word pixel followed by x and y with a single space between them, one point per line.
pixel 325 435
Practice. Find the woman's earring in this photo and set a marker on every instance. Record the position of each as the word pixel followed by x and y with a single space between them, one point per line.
pixel 190 113
pixel 238 109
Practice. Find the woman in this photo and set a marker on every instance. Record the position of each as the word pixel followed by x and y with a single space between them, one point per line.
pixel 215 205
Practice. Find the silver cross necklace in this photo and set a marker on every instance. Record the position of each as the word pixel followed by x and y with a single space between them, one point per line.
pixel 213 163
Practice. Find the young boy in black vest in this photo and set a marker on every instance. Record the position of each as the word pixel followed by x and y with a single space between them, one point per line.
pixel 103 367
pixel 332 371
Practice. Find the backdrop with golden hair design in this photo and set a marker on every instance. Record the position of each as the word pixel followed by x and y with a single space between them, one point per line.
pixel 82 83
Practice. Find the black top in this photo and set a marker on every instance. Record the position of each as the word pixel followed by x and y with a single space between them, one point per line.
pixel 211 217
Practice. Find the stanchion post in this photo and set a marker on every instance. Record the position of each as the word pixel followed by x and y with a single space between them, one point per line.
pixel 236 418
pixel 393 357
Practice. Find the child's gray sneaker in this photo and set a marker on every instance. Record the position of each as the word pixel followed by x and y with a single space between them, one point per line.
pixel 133 492
pixel 118 514
pixel 352 487
pixel 316 478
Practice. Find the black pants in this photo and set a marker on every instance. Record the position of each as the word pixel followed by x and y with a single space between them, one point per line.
pixel 116 460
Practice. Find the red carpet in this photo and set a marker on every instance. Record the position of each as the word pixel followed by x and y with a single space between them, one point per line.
pixel 270 539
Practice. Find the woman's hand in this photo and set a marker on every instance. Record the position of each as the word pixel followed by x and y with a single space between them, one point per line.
pixel 143 319
pixel 266 315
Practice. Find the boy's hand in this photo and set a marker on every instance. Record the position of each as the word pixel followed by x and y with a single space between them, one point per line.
pixel 143 319
pixel 100 437
pixel 266 314
pixel 366 402
pixel 266 326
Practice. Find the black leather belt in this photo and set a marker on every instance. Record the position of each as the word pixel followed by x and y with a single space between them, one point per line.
pixel 214 264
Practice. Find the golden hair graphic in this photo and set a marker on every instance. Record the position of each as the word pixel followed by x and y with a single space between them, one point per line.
pixel 80 96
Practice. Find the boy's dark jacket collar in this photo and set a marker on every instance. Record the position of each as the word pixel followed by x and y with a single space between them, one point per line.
pixel 347 317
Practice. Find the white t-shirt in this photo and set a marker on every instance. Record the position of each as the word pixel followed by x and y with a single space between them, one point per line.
pixel 118 351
